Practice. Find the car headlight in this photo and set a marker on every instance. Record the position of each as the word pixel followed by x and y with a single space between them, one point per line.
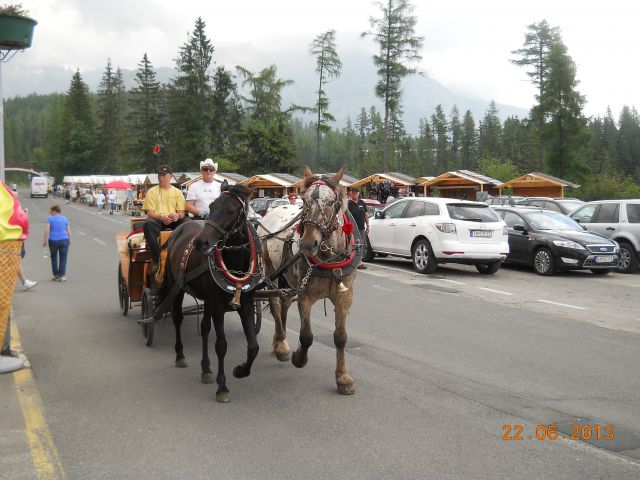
pixel 616 247
pixel 446 227
pixel 568 244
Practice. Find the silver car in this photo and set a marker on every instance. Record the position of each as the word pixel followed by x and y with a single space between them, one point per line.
pixel 618 220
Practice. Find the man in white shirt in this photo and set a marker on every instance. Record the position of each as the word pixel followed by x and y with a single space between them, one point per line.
pixel 205 191
pixel 99 198
pixel 111 197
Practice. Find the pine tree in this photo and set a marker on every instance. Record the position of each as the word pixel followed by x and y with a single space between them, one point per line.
pixel 565 135
pixel 144 118
pixel 398 45
pixel 78 142
pixel 111 120
pixel 535 53
pixel 456 129
pixel 628 141
pixel 189 102
pixel 489 133
pixel 227 114
pixel 441 133
pixel 426 146
pixel 468 143
pixel 328 66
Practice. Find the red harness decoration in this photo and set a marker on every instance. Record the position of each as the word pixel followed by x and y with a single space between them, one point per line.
pixel 350 240
pixel 252 266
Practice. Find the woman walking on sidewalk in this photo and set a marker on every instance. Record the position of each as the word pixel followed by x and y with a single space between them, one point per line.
pixel 58 234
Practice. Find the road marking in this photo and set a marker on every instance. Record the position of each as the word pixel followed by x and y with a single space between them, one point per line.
pixel 563 304
pixel 452 281
pixel 444 293
pixel 380 287
pixel 495 291
pixel 81 233
pixel 44 453
pixel 99 241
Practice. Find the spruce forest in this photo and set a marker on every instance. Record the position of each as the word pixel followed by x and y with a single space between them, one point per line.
pixel 237 118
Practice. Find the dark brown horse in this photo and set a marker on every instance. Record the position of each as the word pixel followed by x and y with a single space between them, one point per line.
pixel 221 253
pixel 326 269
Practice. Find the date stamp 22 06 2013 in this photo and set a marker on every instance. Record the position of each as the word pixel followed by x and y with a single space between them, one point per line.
pixel 516 432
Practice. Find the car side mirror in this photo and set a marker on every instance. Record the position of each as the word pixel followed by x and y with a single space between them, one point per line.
pixel 378 214
pixel 519 228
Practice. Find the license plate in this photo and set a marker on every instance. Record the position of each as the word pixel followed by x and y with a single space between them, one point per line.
pixel 481 233
pixel 604 259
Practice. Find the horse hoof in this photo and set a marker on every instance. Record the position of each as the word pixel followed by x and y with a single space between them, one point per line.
pixel 298 361
pixel 223 397
pixel 182 363
pixel 206 378
pixel 240 372
pixel 346 385
pixel 283 356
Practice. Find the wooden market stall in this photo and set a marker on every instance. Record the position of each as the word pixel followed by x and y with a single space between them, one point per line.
pixel 380 186
pixel 463 184
pixel 345 181
pixel 190 178
pixel 272 184
pixel 536 184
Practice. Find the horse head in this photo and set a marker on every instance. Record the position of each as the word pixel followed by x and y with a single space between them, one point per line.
pixel 227 217
pixel 323 200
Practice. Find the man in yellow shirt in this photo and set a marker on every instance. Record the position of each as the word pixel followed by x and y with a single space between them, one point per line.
pixel 165 207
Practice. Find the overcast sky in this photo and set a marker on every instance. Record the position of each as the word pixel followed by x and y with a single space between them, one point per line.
pixel 466 48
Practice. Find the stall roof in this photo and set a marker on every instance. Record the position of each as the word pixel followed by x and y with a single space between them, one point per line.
pixel 277 180
pixel 461 176
pixel 535 179
pixel 395 177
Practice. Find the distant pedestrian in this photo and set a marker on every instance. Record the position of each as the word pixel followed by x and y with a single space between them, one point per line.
pixel 111 196
pixel 58 236
pixel 67 195
pixel 358 209
pixel 99 198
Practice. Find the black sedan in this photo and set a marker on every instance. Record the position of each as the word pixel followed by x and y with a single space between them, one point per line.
pixel 550 241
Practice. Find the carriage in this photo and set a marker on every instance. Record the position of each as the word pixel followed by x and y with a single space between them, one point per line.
pixel 138 286
pixel 303 255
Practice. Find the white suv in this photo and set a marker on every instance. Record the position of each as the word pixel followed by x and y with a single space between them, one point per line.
pixel 440 230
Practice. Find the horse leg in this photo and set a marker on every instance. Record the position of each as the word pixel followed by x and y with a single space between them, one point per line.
pixel 247 316
pixel 222 395
pixel 279 308
pixel 299 357
pixel 205 327
pixel 342 305
pixel 176 314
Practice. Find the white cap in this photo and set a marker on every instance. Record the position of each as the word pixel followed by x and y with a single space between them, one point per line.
pixel 207 162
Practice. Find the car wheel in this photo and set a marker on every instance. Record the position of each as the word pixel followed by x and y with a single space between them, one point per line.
pixel 628 259
pixel 488 268
pixel 543 262
pixel 601 272
pixel 424 261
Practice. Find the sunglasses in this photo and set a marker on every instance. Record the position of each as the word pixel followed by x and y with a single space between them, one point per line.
pixel 207 169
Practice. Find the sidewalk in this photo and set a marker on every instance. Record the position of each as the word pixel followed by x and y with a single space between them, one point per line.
pixel 27 450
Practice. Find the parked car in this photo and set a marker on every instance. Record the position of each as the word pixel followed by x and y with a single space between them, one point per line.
pixel 551 241
pixel 618 220
pixel 373 206
pixel 261 204
pixel 504 200
pixel 439 230
pixel 279 202
pixel 562 205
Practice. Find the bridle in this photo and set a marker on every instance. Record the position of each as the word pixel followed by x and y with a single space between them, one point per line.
pixel 237 226
pixel 325 226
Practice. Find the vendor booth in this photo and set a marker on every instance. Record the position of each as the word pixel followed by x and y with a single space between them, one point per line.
pixel 462 184
pixel 274 185
pixel 381 186
pixel 536 184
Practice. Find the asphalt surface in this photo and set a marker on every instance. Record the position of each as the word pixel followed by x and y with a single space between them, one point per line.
pixel 441 362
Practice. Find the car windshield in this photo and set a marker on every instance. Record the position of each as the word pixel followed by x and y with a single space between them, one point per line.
pixel 551 221
pixel 472 212
pixel 571 205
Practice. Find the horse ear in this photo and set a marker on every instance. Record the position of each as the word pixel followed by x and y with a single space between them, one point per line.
pixel 225 186
pixel 338 176
pixel 307 172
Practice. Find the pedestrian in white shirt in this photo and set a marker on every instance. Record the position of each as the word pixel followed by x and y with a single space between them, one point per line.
pixel 205 191
pixel 99 201
pixel 112 201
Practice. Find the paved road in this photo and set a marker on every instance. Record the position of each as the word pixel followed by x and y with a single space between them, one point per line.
pixel 442 363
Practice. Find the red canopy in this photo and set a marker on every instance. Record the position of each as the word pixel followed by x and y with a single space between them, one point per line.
pixel 118 185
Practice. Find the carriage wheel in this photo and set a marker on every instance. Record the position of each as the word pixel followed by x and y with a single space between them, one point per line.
pixel 258 322
pixel 147 311
pixel 123 295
